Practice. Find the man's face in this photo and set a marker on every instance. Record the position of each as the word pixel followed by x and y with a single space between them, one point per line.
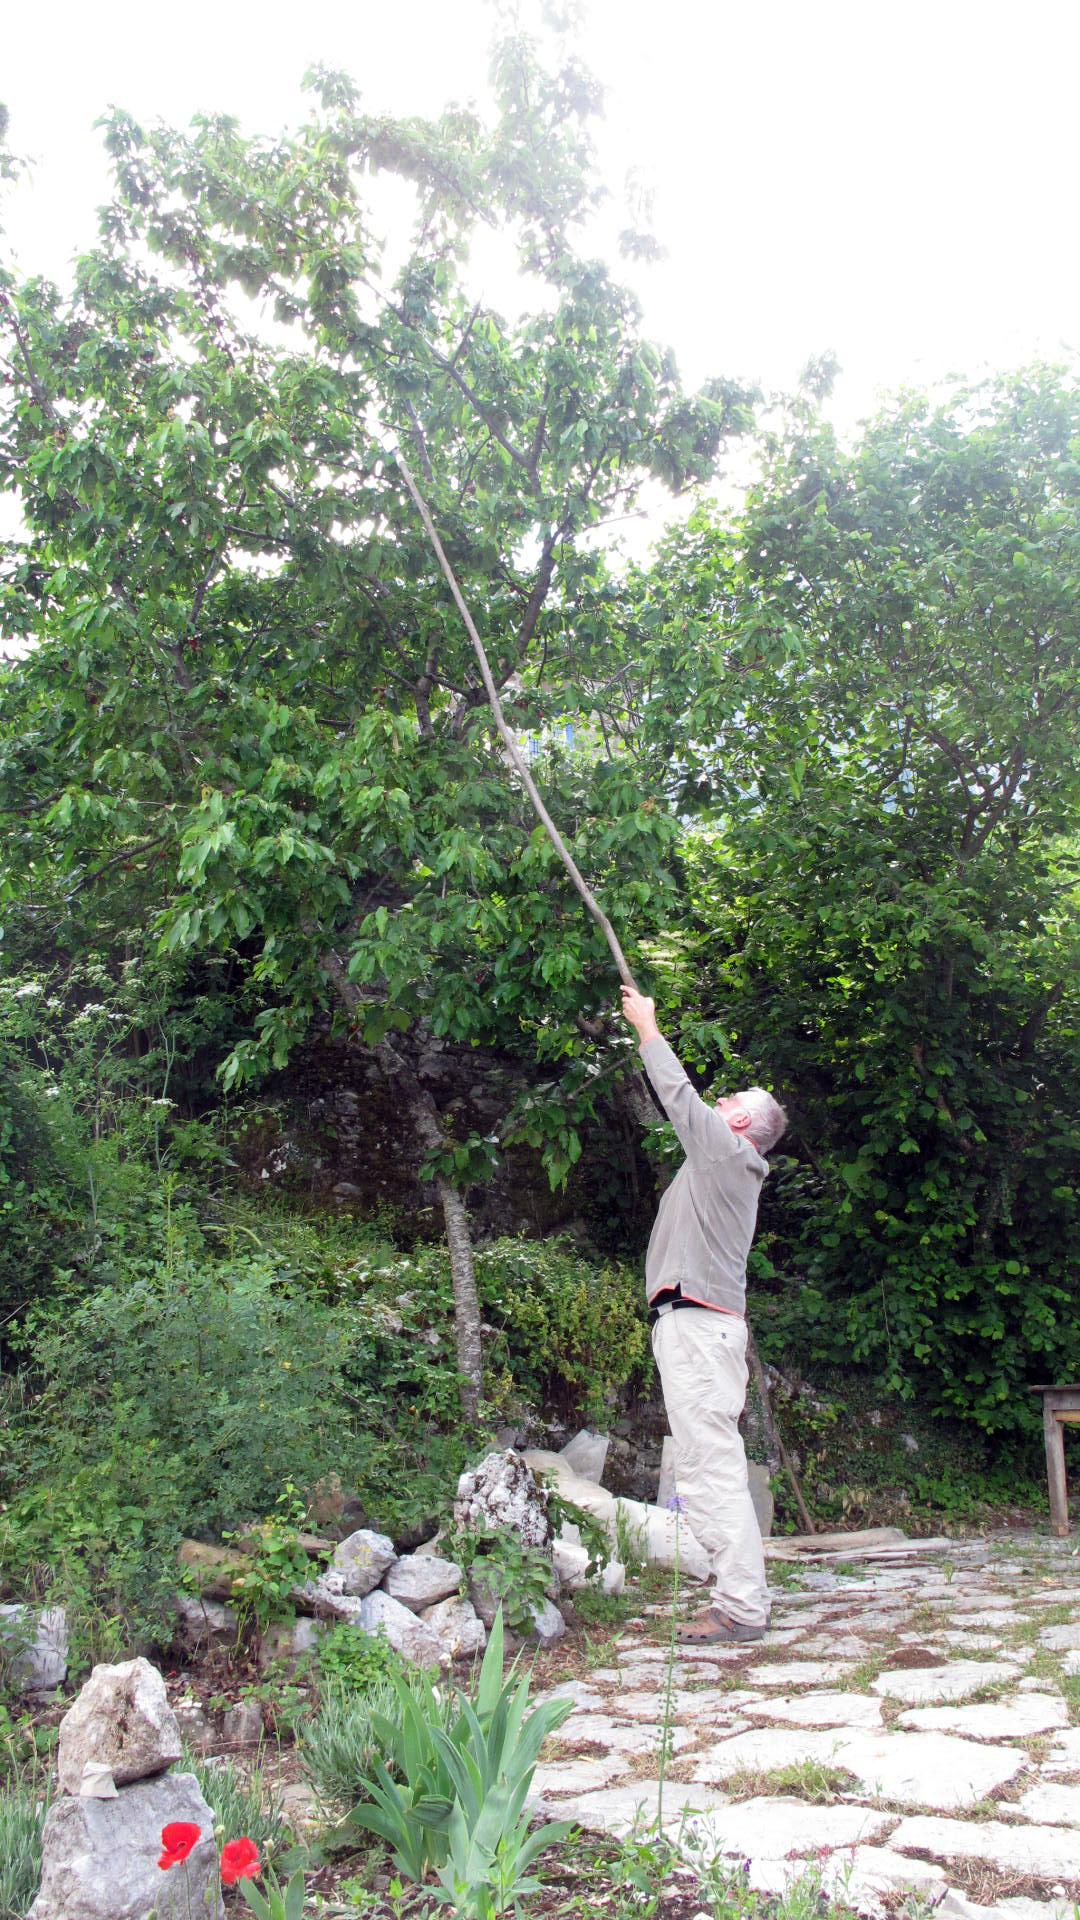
pixel 730 1108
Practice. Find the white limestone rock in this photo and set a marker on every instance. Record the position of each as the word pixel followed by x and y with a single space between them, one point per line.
pixel 204 1623
pixel 1054 1805
pixel 361 1560
pixel 782 1828
pixel 613 1578
pixel 1012 1718
pixel 548 1624
pixel 956 1680
pixel 457 1626
pixel 33 1648
pixel 1060 1639
pixel 570 1562
pixel 662 1534
pixel 121 1720
pixel 501 1493
pixel 242 1724
pixel 824 1710
pixel 100 1857
pixel 1046 1853
pixel 406 1632
pixel 289 1641
pixel 421 1580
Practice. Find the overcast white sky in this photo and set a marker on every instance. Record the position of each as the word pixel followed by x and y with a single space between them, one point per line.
pixel 897 182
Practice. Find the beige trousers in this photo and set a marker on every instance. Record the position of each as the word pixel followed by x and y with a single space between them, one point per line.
pixel 701 1358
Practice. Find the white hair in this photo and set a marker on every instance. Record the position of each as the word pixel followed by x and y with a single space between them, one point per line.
pixel 767 1117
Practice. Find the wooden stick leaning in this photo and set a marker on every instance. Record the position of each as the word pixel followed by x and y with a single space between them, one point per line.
pixel 592 905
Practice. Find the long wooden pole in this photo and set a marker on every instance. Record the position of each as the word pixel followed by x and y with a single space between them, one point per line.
pixel 592 905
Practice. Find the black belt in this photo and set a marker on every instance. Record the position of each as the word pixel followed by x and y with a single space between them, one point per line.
pixel 671 1306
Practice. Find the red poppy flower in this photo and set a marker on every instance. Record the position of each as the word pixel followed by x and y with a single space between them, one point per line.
pixel 239 1861
pixel 177 1840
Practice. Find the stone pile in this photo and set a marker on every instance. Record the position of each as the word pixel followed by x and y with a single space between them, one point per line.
pixel 413 1599
pixel 102 1837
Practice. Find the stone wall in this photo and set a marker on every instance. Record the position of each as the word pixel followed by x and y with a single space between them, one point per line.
pixel 331 1131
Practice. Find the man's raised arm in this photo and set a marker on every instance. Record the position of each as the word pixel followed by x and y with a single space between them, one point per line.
pixel 703 1134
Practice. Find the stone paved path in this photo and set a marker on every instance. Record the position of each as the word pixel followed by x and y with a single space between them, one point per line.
pixel 903 1728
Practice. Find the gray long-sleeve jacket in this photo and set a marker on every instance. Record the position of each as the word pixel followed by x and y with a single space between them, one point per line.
pixel 707 1216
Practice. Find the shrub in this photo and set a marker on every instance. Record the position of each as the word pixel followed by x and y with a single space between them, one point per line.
pixel 572 1333
pixel 355 1660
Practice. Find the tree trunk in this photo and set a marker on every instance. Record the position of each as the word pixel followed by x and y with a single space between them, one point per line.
pixel 427 1126
pixel 425 1119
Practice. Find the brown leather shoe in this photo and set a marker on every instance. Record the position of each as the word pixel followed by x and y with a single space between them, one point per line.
pixel 711 1627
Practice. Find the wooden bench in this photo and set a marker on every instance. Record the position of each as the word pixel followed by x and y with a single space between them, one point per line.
pixel 1061 1408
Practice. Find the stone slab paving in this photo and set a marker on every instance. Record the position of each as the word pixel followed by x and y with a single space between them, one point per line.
pixel 737 1711
pixel 703 1705
pixel 597 1729
pixel 973 1642
pixel 921 1769
pixel 579 1776
pixel 1046 1853
pixel 1060 1639
pixel 620 1809
pixel 1016 1717
pixel 778 1829
pixel 956 1680
pixel 1064 1755
pixel 794 1673
pixel 1054 1805
pixel 819 1709
pixel 839 1640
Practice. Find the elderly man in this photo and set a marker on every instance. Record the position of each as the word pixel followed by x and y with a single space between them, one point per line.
pixel 695 1279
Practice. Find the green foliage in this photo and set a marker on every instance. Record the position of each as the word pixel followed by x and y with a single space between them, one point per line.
pixel 592 1533
pixel 338 1744
pixel 242 1800
pixel 631 1546
pixel 278 1902
pixel 518 1577
pixel 880 673
pixel 465 1768
pixel 354 1660
pixel 573 1333
pixel 189 1397
pixel 278 1563
pixel 24 1804
pixel 244 718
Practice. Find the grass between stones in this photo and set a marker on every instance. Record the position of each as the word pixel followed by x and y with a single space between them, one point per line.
pixel 986 1883
pixel 858 1677
pixel 812 1780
